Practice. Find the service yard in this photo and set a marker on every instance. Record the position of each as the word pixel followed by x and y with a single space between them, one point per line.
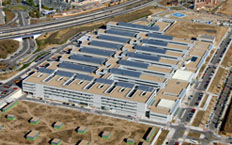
pixel 188 30
pixel 15 130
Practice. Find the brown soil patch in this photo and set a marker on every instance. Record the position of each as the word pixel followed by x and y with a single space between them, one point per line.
pixel 189 30
pixel 14 131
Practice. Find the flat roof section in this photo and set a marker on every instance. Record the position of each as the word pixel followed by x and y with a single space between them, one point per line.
pixel 133 64
pixel 64 73
pixel 148 28
pixel 150 49
pixel 97 51
pixel 77 67
pixel 113 38
pixel 125 72
pixel 120 32
pixel 90 59
pixel 160 36
pixel 106 45
pixel 155 42
pixel 45 70
pixel 174 87
pixel 143 56
pixel 166 103
pixel 183 75
pixel 84 77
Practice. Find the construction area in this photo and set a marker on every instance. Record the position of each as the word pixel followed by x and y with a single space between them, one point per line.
pixel 21 131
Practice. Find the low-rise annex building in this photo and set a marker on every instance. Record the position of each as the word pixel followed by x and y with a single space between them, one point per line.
pixel 127 69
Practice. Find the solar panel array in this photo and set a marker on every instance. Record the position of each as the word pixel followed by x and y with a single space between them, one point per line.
pixel 125 85
pixel 125 72
pixel 155 42
pixel 133 64
pixel 150 49
pixel 145 88
pixel 77 67
pixel 106 45
pixel 45 70
pixel 161 36
pixel 97 51
pixel 114 38
pixel 84 77
pixel 64 73
pixel 143 56
pixel 120 32
pixel 148 28
pixel 104 81
pixel 90 59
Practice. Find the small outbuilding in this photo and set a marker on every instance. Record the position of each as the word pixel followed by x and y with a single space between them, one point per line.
pixel 149 134
pixel 106 135
pixel 11 117
pixel 58 125
pixel 32 135
pixel 130 141
pixel 9 106
pixel 34 120
pixel 56 141
pixel 81 130
pixel 84 142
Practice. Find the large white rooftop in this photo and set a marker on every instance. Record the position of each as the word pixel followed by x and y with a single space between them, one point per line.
pixel 183 75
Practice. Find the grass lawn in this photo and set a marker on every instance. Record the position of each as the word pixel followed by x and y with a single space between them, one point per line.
pixel 18 8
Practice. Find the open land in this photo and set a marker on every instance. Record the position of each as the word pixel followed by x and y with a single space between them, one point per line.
pixel 227 61
pixel 189 16
pixel 8 47
pixel 226 8
pixel 60 37
pixel 218 81
pixel 9 16
pixel 226 128
pixel 14 131
pixel 189 30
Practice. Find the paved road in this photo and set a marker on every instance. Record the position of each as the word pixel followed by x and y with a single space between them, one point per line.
pixel 72 21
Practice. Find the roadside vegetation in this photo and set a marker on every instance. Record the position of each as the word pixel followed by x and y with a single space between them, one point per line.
pixel 8 47
pixel 62 36
pixel 18 8
pixel 9 16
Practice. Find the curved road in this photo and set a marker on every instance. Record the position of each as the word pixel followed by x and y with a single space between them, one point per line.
pixel 72 21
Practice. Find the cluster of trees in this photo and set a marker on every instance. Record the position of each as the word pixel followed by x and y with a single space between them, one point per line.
pixel 35 13
pixel 6 2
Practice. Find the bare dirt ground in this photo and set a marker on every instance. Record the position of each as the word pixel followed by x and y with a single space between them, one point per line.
pixel 188 30
pixel 226 128
pixel 227 61
pixel 218 82
pixel 226 8
pixel 194 16
pixel 14 131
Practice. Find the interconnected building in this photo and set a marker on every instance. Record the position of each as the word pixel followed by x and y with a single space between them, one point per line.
pixel 127 69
